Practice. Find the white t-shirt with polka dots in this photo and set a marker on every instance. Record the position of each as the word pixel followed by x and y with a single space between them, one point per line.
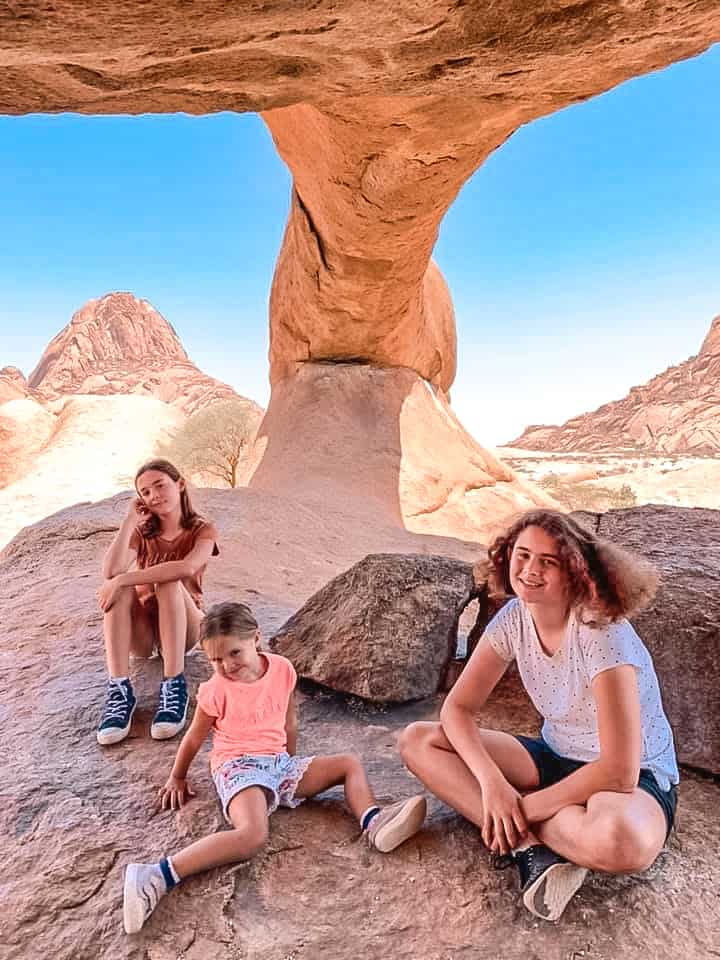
pixel 559 685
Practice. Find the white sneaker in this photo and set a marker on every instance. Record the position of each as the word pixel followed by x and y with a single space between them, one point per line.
pixel 144 886
pixel 396 824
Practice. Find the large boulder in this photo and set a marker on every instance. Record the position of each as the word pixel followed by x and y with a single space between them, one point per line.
pixel 682 626
pixel 385 630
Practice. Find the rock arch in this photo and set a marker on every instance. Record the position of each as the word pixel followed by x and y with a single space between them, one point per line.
pixel 381 113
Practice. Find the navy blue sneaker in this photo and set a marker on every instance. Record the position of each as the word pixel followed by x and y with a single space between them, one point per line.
pixel 547 881
pixel 119 709
pixel 172 710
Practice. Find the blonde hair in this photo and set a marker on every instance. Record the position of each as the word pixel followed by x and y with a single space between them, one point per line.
pixel 227 619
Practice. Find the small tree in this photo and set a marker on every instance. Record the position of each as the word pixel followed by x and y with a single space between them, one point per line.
pixel 214 442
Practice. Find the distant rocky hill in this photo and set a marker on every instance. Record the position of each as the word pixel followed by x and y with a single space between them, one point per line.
pixel 109 390
pixel 677 411
pixel 120 344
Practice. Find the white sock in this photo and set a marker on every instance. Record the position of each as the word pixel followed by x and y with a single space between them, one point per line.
pixel 117 679
pixel 369 815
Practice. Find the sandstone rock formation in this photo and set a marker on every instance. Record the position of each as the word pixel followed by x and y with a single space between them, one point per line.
pixel 385 442
pixel 13 384
pixel 677 411
pixel 108 391
pixel 88 450
pixel 385 630
pixel 381 118
pixel 121 344
pixel 25 428
pixel 682 627
pixel 73 815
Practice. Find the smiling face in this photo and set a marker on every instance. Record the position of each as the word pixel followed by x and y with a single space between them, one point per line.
pixel 537 574
pixel 159 492
pixel 235 658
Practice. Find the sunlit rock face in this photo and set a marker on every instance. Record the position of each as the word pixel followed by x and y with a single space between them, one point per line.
pixel 381 112
pixel 120 343
pixel 678 411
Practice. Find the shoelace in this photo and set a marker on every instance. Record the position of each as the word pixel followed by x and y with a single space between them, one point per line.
pixel 117 702
pixel 169 696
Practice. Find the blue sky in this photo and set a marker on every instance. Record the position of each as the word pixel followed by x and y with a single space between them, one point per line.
pixel 583 257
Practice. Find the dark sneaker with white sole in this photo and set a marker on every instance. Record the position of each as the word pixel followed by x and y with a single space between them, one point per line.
pixel 548 882
pixel 119 708
pixel 172 710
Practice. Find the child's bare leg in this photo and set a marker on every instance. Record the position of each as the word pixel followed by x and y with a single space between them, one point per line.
pixel 614 832
pixel 386 828
pixel 178 623
pixel 341 768
pixel 146 883
pixel 127 626
pixel 428 753
pixel 249 815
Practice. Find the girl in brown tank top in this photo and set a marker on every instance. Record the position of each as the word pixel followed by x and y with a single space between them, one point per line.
pixel 152 597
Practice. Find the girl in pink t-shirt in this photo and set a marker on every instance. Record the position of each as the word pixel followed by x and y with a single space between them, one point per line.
pixel 249 705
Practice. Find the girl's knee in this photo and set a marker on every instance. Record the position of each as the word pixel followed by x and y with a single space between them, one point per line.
pixel 249 838
pixel 620 847
pixel 413 740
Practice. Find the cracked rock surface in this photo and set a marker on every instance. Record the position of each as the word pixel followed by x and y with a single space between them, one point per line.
pixel 74 814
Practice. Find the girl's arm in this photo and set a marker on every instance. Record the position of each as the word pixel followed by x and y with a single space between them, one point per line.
pixel 119 556
pixel 503 820
pixel 291 725
pixel 616 696
pixel 469 695
pixel 177 790
pixel 171 569
pixel 160 573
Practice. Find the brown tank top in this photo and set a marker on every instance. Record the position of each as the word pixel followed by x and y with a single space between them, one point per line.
pixel 153 550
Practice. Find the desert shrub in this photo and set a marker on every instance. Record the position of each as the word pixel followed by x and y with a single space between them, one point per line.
pixel 214 443
pixel 593 497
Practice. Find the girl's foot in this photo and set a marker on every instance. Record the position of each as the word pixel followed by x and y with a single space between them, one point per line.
pixel 144 886
pixel 547 881
pixel 396 824
pixel 171 713
pixel 119 709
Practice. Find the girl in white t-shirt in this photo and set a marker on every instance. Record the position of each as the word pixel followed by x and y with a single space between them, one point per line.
pixel 597 789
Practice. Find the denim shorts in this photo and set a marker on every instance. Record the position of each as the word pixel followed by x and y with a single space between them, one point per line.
pixel 552 768
pixel 278 774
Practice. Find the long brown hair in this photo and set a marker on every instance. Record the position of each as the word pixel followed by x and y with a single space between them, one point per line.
pixel 605 582
pixel 189 518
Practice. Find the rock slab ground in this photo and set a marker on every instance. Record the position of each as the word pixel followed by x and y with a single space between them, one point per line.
pixel 74 814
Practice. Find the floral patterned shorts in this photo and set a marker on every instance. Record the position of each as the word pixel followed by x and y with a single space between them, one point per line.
pixel 278 774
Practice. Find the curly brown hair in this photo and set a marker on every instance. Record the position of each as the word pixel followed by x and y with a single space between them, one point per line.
pixel 189 518
pixel 605 582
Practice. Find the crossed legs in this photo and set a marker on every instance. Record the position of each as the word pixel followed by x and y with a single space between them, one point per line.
pixel 613 832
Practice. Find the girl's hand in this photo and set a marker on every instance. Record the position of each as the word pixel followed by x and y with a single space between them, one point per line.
pixel 107 594
pixel 136 510
pixel 504 824
pixel 176 792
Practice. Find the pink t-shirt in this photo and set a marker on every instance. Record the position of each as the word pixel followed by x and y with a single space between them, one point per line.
pixel 249 717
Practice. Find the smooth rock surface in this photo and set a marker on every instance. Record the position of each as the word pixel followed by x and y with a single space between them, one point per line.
pixel 382 441
pixel 74 814
pixel 385 630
